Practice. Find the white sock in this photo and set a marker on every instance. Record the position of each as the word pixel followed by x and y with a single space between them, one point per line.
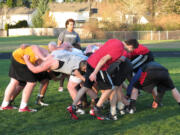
pixel 120 105
pixel 5 103
pixel 113 110
pixel 39 95
pixel 23 105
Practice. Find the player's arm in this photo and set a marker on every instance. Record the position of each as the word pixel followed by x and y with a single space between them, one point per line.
pixel 23 46
pixel 59 43
pixel 78 74
pixel 41 53
pixel 102 61
pixel 44 66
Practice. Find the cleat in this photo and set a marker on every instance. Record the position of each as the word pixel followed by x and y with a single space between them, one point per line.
pixel 80 111
pixel 26 109
pixel 122 112
pixel 60 89
pixel 8 107
pixel 154 105
pixel 72 111
pixel 132 110
pixel 98 114
pixel 91 112
pixel 42 104
pixel 40 101
pixel 113 117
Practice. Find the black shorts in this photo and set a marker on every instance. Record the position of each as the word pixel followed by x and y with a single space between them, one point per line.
pixel 43 75
pixel 103 79
pixel 159 78
pixel 21 72
pixel 40 76
pixel 120 72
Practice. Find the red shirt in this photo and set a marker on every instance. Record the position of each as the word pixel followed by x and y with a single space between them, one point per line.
pixel 113 47
pixel 141 50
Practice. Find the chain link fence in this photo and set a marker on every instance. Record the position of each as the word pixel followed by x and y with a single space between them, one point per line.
pixel 143 35
pixel 122 35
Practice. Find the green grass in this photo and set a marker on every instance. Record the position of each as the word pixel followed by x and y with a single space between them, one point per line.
pixel 55 120
pixel 8 44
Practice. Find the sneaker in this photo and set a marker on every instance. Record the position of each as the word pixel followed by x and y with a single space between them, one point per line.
pixel 8 107
pixel 122 112
pixel 80 111
pixel 26 109
pixel 72 110
pixel 60 89
pixel 154 105
pixel 132 110
pixel 40 101
pixel 91 112
pixel 42 104
pixel 98 114
pixel 113 117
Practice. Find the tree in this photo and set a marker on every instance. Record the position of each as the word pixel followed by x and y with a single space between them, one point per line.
pixel 34 3
pixel 9 3
pixel 37 19
pixel 19 3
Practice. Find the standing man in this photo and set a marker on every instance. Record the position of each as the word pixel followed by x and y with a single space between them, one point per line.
pixel 69 36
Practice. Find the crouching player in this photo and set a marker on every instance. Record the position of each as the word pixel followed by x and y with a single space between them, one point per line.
pixel 153 75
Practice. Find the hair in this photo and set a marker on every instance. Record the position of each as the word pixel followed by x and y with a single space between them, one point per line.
pixel 132 42
pixel 52 46
pixel 82 64
pixel 69 20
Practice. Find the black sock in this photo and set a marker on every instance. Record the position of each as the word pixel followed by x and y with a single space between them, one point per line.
pixel 132 103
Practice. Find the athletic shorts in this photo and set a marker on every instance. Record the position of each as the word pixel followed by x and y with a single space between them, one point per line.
pixel 75 79
pixel 122 71
pixel 21 72
pixel 103 79
pixel 40 76
pixel 159 78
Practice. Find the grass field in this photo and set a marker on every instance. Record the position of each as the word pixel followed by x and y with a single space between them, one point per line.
pixel 10 43
pixel 55 120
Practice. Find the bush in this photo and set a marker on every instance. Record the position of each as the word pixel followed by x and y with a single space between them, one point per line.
pixel 19 24
pixel 49 20
pixel 6 27
pixel 168 22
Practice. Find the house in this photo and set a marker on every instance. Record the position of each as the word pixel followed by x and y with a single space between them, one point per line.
pixel 79 11
pixel 13 15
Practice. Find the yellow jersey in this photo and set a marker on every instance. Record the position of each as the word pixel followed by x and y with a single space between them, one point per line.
pixel 19 53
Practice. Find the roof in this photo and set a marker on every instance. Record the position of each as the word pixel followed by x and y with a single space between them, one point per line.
pixel 69 6
pixel 17 10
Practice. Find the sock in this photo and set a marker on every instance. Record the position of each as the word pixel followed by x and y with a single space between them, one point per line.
pixel 96 100
pixel 5 103
pixel 132 103
pixel 23 105
pixel 39 95
pixel 113 110
pixel 179 103
pixel 120 105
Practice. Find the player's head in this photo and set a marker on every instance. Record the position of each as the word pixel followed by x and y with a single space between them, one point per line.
pixel 70 24
pixel 131 44
pixel 52 46
pixel 83 65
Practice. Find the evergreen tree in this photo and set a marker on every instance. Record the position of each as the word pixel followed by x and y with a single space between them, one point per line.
pixel 37 19
pixel 34 3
